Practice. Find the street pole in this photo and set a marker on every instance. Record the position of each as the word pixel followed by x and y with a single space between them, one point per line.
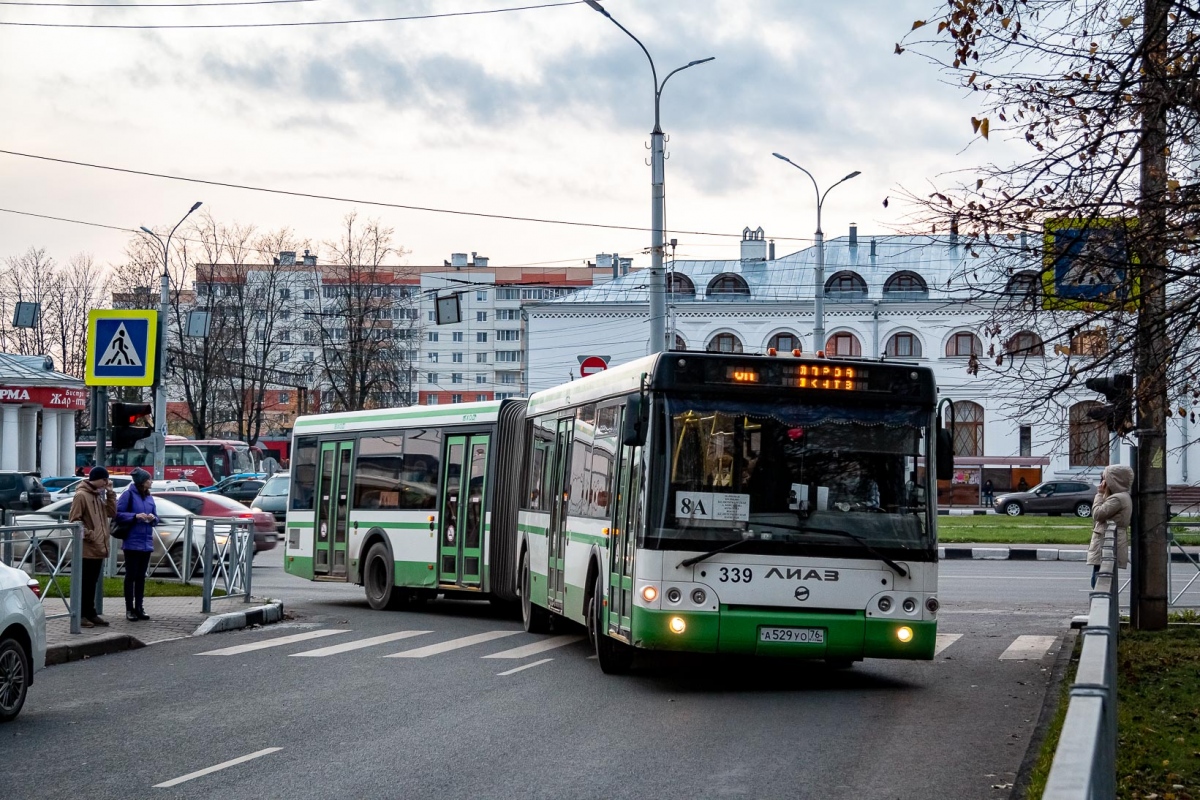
pixel 1152 344
pixel 657 280
pixel 160 365
pixel 819 274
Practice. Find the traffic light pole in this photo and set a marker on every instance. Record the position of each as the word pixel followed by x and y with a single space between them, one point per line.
pixel 160 365
pixel 100 423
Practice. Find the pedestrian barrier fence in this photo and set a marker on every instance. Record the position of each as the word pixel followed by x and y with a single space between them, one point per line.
pixel 227 557
pixel 1176 599
pixel 1084 766
pixel 48 549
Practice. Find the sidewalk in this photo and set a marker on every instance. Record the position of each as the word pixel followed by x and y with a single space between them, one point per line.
pixel 170 618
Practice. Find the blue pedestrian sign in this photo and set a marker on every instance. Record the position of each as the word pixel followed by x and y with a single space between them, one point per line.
pixel 121 348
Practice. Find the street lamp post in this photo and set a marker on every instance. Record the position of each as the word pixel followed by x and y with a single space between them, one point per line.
pixel 657 279
pixel 160 365
pixel 819 277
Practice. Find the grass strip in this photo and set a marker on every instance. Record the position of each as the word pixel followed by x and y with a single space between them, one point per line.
pixel 115 587
pixel 997 529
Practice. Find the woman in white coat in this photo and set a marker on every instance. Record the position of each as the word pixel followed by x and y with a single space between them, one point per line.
pixel 1112 504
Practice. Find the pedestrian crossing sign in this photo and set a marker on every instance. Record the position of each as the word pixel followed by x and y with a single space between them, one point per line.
pixel 121 348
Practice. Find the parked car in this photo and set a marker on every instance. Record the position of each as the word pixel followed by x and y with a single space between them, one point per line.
pixel 174 486
pixel 244 490
pixel 119 482
pixel 21 491
pixel 1049 497
pixel 222 484
pixel 206 504
pixel 22 639
pixel 169 536
pixel 273 498
pixel 52 485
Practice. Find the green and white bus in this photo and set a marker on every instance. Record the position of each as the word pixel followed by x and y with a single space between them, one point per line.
pixel 685 501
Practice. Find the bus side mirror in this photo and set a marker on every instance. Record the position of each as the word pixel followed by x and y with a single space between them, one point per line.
pixel 633 426
pixel 945 455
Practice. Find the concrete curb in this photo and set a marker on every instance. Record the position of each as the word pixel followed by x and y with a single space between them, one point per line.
pixel 1024 554
pixel 236 620
pixel 98 646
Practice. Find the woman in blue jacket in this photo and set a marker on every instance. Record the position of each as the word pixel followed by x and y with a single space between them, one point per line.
pixel 136 509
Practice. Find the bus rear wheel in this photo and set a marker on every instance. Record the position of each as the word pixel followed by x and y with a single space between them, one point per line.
pixel 379 578
pixel 615 657
pixel 534 618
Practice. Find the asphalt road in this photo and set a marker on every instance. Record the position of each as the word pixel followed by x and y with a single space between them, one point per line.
pixel 451 720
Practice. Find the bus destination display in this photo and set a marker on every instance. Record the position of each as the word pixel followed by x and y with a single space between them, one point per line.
pixel 830 377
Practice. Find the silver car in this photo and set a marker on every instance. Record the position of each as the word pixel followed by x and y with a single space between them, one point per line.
pixel 22 639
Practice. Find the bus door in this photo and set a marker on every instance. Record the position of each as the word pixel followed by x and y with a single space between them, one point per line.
pixel 623 541
pixel 556 537
pixel 333 492
pixel 462 517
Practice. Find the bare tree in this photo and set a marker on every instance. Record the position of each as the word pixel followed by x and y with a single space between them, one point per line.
pixel 32 277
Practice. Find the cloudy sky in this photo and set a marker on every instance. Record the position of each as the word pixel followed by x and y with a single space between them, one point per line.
pixel 538 113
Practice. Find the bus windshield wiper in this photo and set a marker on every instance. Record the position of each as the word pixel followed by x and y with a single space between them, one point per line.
pixel 687 562
pixel 837 532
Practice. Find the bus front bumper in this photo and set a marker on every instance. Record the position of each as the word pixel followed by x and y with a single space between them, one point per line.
pixel 844 636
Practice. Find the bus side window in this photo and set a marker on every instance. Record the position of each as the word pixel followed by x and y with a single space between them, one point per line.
pixel 304 475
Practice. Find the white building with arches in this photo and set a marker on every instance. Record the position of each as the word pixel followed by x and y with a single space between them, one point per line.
pixel 891 297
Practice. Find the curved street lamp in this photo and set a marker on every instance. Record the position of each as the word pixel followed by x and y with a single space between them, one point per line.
pixel 658 279
pixel 160 389
pixel 819 276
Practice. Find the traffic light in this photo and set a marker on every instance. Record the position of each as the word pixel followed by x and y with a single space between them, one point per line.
pixel 129 424
pixel 1117 389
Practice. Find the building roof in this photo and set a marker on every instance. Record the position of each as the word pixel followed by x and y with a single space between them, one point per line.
pixel 942 265
pixel 32 371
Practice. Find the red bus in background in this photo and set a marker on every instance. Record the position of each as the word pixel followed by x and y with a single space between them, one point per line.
pixel 277 447
pixel 202 461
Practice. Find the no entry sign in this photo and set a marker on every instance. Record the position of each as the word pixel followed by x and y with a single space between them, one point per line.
pixel 591 365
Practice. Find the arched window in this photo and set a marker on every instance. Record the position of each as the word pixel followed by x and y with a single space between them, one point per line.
pixel 680 285
pixel 1089 437
pixel 1089 343
pixel 905 285
pixel 1023 283
pixel 680 344
pixel 904 345
pixel 1026 343
pixel 728 285
pixel 843 344
pixel 845 285
pixel 968 428
pixel 724 343
pixel 785 342
pixel 963 343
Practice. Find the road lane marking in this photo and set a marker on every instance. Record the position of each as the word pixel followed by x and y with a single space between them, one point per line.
pixel 1079 577
pixel 944 640
pixel 217 768
pixel 358 644
pixel 276 642
pixel 1028 648
pixel 526 666
pixel 537 647
pixel 453 644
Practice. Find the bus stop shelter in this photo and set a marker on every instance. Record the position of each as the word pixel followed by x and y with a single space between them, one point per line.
pixel 37 415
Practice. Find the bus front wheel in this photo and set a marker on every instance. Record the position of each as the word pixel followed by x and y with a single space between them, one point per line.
pixel 534 618
pixel 615 657
pixel 379 580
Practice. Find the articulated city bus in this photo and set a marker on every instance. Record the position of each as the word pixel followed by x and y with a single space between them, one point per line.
pixel 685 501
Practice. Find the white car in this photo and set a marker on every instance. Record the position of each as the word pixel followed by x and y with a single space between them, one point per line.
pixel 22 639
pixel 174 486
pixel 119 482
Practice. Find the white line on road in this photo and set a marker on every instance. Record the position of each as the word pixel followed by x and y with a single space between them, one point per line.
pixel 1080 577
pixel 1028 648
pixel 217 768
pixel 358 644
pixel 944 640
pixel 453 644
pixel 537 647
pixel 276 642
pixel 526 666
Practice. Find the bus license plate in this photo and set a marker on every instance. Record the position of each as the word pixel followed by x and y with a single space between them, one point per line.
pixel 802 635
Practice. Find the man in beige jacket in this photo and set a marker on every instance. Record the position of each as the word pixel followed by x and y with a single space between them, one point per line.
pixel 1112 504
pixel 95 503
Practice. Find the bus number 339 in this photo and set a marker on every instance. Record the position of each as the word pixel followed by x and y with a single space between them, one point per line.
pixel 736 575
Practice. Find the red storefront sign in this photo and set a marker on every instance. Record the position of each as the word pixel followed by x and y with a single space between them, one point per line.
pixel 69 399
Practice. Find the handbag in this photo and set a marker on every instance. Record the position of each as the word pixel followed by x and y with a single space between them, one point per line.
pixel 117 528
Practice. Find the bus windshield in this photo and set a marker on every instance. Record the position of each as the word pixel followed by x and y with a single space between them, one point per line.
pixel 793 474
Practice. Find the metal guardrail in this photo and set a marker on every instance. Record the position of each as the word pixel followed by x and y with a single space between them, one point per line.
pixel 1085 762
pixel 67 542
pixel 1174 599
pixel 228 556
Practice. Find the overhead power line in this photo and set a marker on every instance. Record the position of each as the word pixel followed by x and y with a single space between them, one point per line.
pixel 303 24
pixel 155 5
pixel 377 203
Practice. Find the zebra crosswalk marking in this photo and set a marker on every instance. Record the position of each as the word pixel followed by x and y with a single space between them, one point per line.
pixel 537 647
pixel 453 644
pixel 944 640
pixel 276 642
pixel 525 666
pixel 358 644
pixel 1028 648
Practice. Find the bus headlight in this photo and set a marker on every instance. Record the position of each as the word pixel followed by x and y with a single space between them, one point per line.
pixel 933 605
pixel 649 593
pixel 674 595
pixel 885 604
pixel 699 596
pixel 904 634
pixel 678 625
pixel 909 605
